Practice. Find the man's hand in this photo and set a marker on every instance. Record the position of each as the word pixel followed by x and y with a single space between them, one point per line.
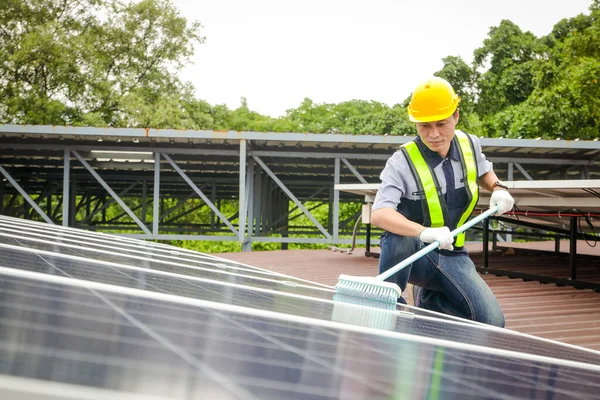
pixel 442 235
pixel 503 200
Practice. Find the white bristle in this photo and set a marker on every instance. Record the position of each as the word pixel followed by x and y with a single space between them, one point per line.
pixel 368 288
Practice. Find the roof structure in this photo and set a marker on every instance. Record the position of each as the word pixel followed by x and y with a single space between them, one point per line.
pixel 96 316
pixel 70 175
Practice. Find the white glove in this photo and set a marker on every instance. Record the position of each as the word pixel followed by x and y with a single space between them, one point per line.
pixel 442 235
pixel 503 200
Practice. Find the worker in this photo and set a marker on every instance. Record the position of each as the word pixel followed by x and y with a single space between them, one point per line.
pixel 429 187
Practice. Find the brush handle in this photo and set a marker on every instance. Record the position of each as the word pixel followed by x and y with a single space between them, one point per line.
pixel 432 246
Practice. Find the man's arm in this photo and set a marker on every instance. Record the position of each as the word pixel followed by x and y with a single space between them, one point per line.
pixel 392 221
pixel 487 180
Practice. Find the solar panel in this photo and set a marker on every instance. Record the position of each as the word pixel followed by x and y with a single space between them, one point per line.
pixel 87 315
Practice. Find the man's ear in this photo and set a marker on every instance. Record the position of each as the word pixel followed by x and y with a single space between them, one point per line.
pixel 456 114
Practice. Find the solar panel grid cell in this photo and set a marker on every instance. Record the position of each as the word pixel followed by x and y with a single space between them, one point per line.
pixel 133 255
pixel 296 344
pixel 214 291
pixel 81 315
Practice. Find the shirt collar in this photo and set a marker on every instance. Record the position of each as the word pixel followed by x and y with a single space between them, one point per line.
pixel 434 158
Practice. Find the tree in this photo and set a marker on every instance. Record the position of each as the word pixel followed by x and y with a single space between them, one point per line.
pixel 564 101
pixel 507 57
pixel 353 117
pixel 106 62
pixel 462 78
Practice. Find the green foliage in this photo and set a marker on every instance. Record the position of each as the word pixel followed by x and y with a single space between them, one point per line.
pixel 357 117
pixel 462 78
pixel 207 246
pixel 242 119
pixel 523 86
pixel 107 62
pixel 508 56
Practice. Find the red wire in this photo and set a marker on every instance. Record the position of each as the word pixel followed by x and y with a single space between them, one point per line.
pixel 546 214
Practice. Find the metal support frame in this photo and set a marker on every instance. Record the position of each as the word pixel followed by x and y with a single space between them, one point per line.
pixel 242 194
pixel 144 201
pixel 354 171
pixel 123 192
pixel 66 187
pixel 156 196
pixel 199 193
pixel 263 207
pixel 485 242
pixel 291 196
pixel 522 170
pixel 336 200
pixel 573 248
pixel 111 192
pixel 180 203
pixel 247 246
pixel 573 236
pixel 26 197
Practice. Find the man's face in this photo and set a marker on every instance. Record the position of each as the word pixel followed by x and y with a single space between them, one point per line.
pixel 438 135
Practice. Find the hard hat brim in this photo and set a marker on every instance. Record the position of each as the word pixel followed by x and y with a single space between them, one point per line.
pixel 431 118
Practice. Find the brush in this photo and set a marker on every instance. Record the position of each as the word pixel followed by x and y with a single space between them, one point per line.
pixel 375 288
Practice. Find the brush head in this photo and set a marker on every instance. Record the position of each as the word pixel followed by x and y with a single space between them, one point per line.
pixel 364 312
pixel 366 287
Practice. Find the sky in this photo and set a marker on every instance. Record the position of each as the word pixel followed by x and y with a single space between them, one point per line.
pixel 278 52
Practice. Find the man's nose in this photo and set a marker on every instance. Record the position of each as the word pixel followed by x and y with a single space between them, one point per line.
pixel 434 132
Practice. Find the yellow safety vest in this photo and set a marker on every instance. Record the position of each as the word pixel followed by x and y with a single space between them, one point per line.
pixel 433 205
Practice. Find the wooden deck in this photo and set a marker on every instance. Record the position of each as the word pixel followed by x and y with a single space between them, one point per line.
pixel 546 310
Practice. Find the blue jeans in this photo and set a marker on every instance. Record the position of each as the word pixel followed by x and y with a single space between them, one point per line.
pixel 450 284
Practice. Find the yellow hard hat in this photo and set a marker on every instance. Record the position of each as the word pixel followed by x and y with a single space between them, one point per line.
pixel 432 100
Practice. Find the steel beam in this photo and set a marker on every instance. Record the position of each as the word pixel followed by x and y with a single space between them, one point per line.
pixel 199 192
pixel 66 187
pixel 292 197
pixel 250 206
pixel 242 194
pixel 111 192
pixel 156 196
pixel 354 171
pixel 26 197
pixel 312 154
pixel 525 174
pixel 541 160
pixel 107 203
pixel 336 199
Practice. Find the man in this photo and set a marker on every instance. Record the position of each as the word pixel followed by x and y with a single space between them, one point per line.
pixel 428 188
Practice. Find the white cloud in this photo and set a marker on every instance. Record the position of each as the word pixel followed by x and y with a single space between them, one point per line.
pixel 277 52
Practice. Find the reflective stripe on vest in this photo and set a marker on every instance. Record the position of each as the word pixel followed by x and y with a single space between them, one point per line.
pixel 435 200
pixel 425 175
pixel 469 163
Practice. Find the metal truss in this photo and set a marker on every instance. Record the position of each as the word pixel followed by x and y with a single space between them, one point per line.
pixel 246 187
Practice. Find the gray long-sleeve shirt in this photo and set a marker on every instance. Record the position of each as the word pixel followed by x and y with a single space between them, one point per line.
pixel 399 190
